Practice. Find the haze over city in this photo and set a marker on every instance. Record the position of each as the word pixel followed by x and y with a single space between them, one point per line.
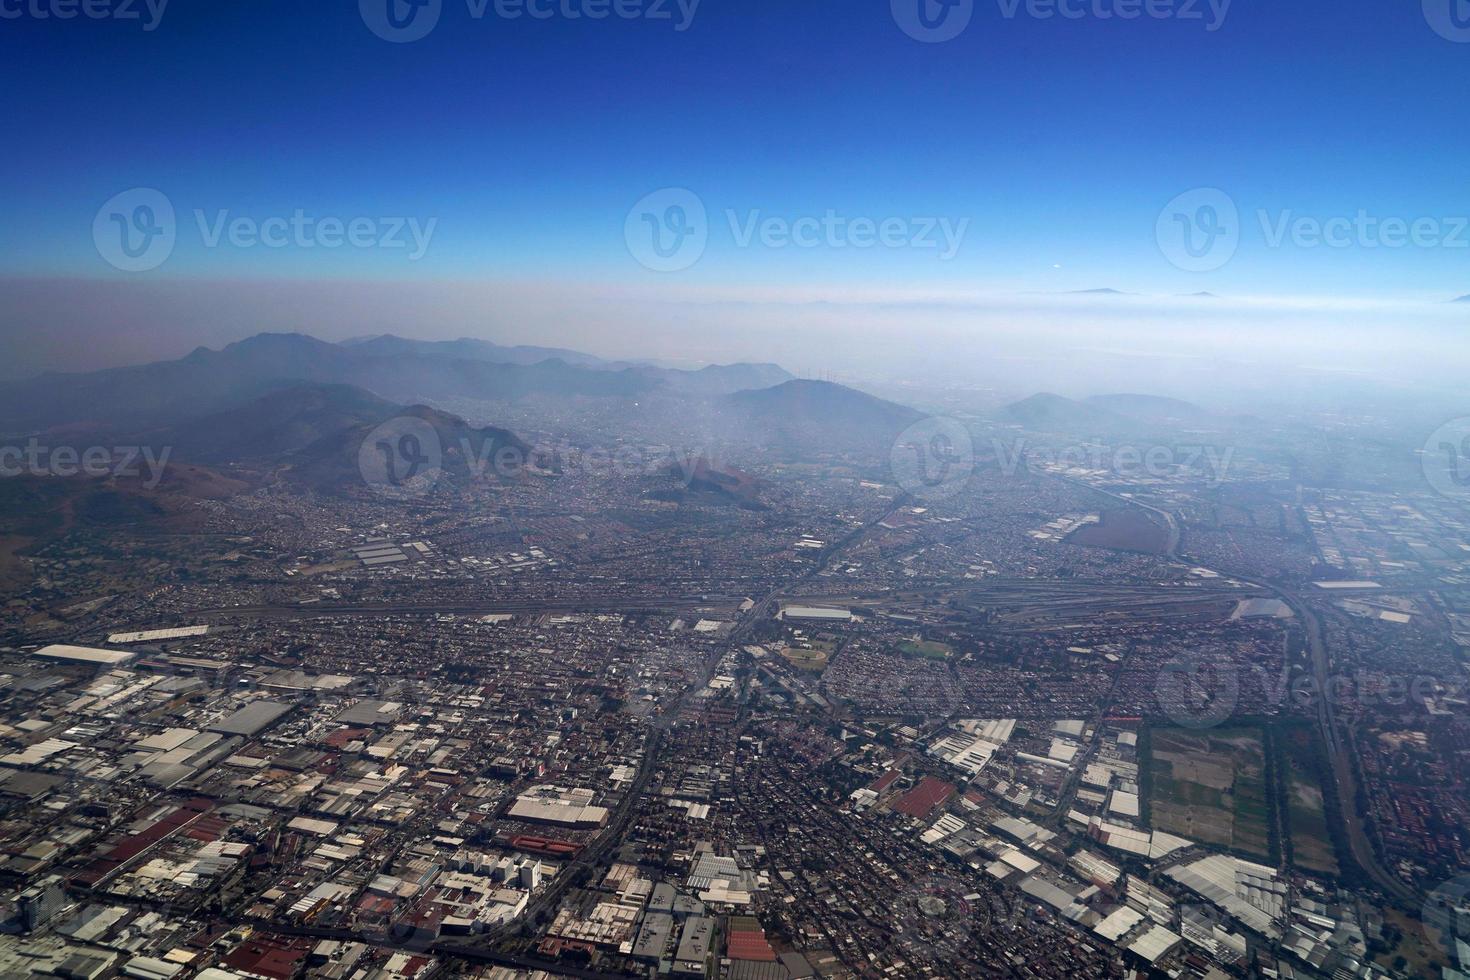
pixel 627 489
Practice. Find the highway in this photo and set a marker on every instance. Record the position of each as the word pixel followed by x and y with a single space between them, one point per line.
pixel 1344 779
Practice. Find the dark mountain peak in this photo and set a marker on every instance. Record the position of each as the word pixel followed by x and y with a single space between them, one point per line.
pixel 1049 411
pixel 1042 399
pixel 809 392
pixel 1149 406
pixel 470 349
pixel 290 355
pixel 1105 413
pixel 724 482
pixel 438 418
pixel 274 425
pixel 763 368
pixel 814 385
pixel 277 341
pixel 820 415
pixel 717 379
pixel 445 448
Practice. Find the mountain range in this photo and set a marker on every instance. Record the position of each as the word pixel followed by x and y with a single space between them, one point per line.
pixel 317 435
pixel 471 349
pixel 151 396
pixel 305 409
pixel 1104 413
pixel 713 379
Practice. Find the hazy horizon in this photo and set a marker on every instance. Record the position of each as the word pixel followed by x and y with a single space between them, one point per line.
pixel 923 203
pixel 1219 350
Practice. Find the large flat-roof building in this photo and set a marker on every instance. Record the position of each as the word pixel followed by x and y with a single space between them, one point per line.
pixel 159 636
pixel 252 719
pixel 823 613
pixel 86 655
pixel 695 943
pixel 555 805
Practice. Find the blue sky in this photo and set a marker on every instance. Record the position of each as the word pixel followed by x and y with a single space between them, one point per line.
pixel 1057 141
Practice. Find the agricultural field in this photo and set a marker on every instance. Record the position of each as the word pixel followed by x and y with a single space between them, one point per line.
pixel 927 649
pixel 1311 838
pixel 1211 787
pixel 802 659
